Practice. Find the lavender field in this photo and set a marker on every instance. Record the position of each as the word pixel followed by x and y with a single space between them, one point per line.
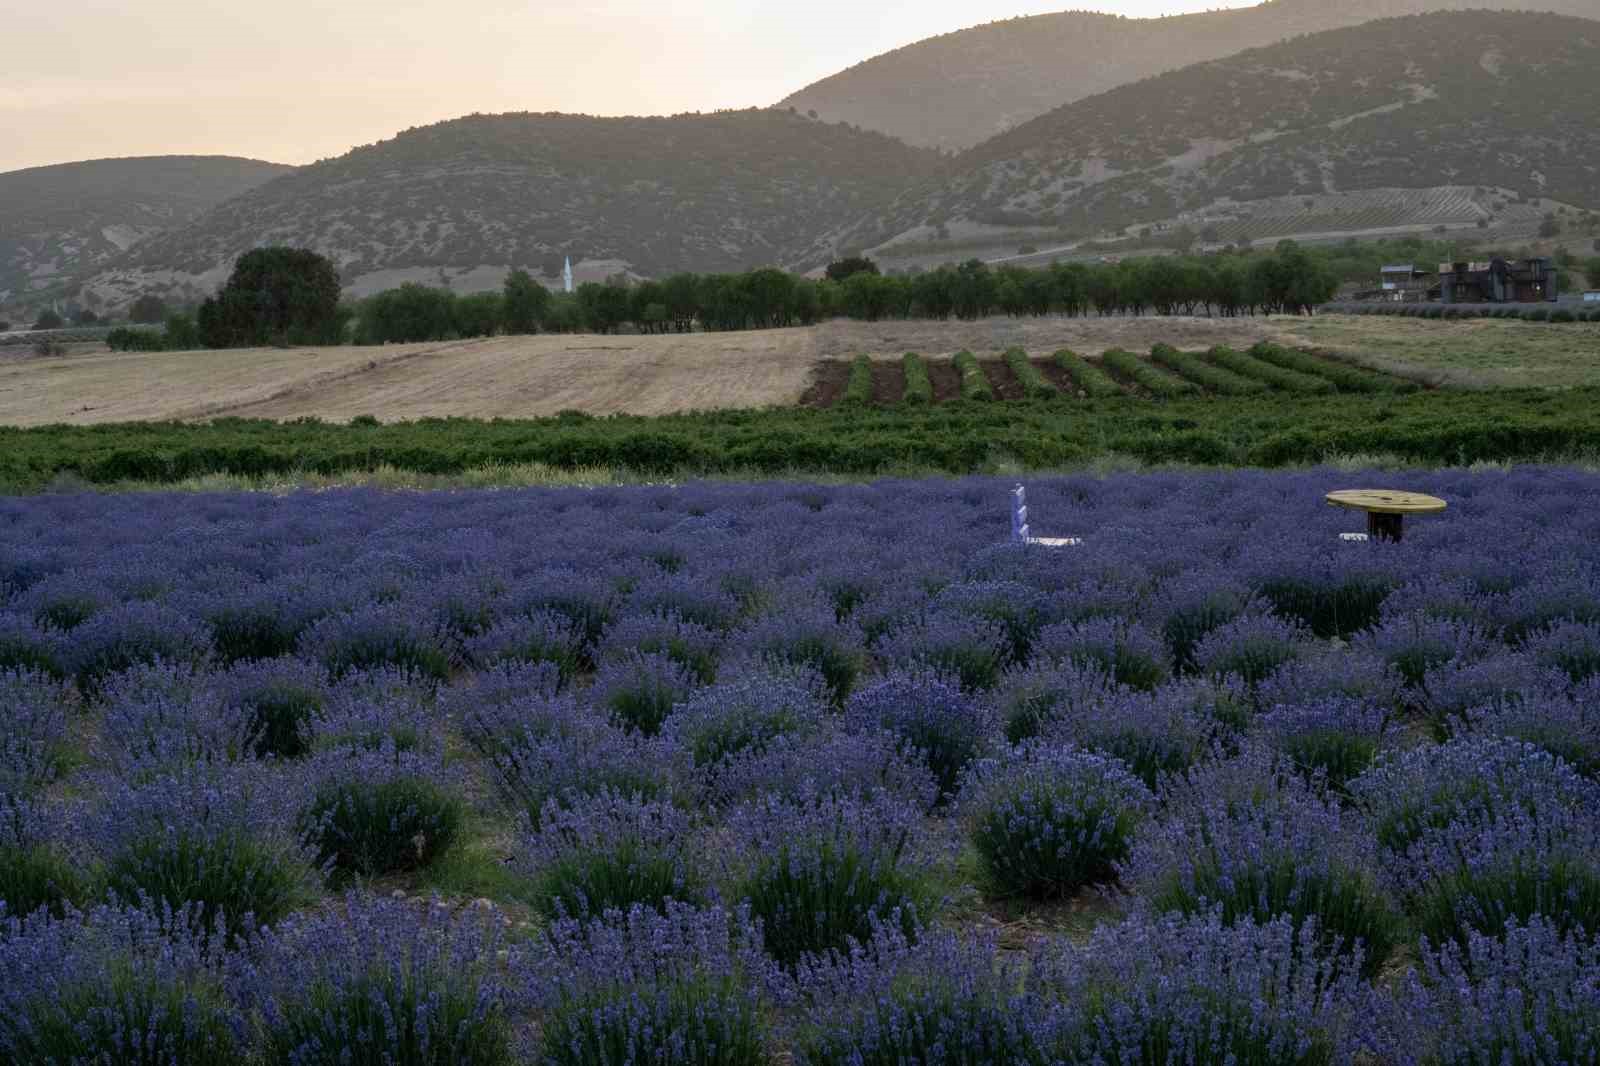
pixel 736 774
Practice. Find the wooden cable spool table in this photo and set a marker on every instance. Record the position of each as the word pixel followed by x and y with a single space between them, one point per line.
pixel 1386 508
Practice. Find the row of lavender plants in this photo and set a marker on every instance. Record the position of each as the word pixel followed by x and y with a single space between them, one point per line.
pixel 753 771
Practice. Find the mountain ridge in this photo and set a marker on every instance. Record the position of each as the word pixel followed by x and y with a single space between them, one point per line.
pixel 954 91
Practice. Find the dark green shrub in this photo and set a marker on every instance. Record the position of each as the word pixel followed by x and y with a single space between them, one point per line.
pixel 366 828
pixel 974 383
pixel 858 389
pixel 1214 378
pixel 1033 383
pixel 1135 370
pixel 919 389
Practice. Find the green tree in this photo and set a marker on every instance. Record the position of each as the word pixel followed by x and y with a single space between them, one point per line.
pixel 84 317
pixel 407 315
pixel 478 314
pixel 181 333
pixel 147 310
pixel 1591 269
pixel 524 303
pixel 603 308
pixel 843 269
pixel 1550 226
pixel 48 320
pixel 275 296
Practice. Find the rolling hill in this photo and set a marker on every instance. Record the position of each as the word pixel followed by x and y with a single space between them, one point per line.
pixel 957 90
pixel 462 201
pixel 59 221
pixel 1489 108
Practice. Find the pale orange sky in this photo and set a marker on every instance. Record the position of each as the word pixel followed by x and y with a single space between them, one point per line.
pixel 298 80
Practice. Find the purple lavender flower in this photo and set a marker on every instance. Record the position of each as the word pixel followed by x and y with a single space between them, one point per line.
pixel 379 811
pixel 1203 991
pixel 678 985
pixel 944 1001
pixel 218 838
pixel 167 715
pixel 543 636
pixel 63 601
pixel 1155 734
pixel 692 646
pixel 1029 699
pixel 609 852
pixel 1499 679
pixel 1019 610
pixel 115 986
pixel 969 648
pixel 832 761
pixel 687 597
pixel 1047 820
pixel 1125 650
pixel 1567 727
pixel 929 715
pixel 1351 673
pixel 639 691
pixel 382 980
pixel 1416 644
pixel 822 873
pixel 131 634
pixel 743 715
pixel 807 634
pixel 1528 995
pixel 1257 843
pixel 588 598
pixel 1189 606
pixel 1335 738
pixel 377 635
pixel 1573 648
pixel 502 702
pixel 1252 647
pixel 26 645
pixel 34 743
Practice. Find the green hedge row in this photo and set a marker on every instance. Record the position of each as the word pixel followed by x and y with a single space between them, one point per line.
pixel 1157 382
pixel 1442 427
pixel 1033 383
pixel 1215 378
pixel 974 384
pixel 1093 381
pixel 1348 378
pixel 919 387
pixel 1276 376
pixel 858 389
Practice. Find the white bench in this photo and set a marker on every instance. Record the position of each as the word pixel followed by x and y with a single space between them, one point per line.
pixel 1021 534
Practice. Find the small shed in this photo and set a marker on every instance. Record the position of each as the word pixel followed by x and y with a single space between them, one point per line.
pixel 1500 281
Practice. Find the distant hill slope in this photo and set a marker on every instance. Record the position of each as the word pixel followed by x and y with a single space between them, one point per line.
pixel 1485 100
pixel 959 89
pixel 705 192
pixel 58 221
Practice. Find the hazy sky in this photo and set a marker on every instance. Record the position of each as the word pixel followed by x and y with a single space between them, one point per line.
pixel 299 80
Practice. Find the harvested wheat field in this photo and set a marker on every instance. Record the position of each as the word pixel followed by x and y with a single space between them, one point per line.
pixel 519 377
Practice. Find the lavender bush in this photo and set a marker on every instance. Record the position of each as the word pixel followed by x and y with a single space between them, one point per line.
pixel 1193 989
pixel 744 716
pixel 379 811
pixel 114 986
pixel 377 982
pixel 1048 820
pixel 1250 647
pixel 818 875
pixel 1125 650
pixel 678 986
pixel 610 852
pixel 1334 738
pixel 929 715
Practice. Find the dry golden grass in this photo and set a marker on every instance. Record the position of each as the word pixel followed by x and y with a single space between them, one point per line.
pixel 520 377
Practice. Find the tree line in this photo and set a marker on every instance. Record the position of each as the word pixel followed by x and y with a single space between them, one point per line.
pixel 289 296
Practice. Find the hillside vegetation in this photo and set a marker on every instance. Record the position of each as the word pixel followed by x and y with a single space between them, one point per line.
pixel 721 191
pixel 58 221
pixel 958 89
pixel 1490 100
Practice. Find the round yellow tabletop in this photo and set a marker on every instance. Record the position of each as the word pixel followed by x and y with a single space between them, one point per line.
pixel 1387 501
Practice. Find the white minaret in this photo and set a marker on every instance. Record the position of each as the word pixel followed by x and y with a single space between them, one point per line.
pixel 566 274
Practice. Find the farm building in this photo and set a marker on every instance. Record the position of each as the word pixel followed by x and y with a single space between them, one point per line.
pixel 1592 297
pixel 1499 281
pixel 1402 282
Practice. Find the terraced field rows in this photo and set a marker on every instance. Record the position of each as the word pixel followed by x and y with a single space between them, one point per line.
pixel 1017 375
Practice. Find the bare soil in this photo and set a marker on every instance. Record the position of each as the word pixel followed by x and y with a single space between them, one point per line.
pixel 1002 380
pixel 888 382
pixel 945 379
pixel 1057 377
pixel 828 383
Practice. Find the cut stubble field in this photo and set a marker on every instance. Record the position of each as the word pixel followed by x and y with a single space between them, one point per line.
pixel 529 377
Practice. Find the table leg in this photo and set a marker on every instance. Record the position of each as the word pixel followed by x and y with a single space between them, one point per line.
pixel 1385 526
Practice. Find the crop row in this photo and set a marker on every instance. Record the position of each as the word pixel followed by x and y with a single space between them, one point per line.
pixel 1167 374
pixel 1430 428
pixel 1537 312
pixel 724 775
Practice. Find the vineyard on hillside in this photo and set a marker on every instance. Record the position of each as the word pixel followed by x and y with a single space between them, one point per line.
pixel 1165 373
